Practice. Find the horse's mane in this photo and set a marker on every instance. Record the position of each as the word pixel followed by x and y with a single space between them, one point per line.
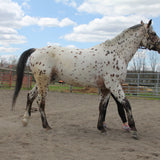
pixel 118 37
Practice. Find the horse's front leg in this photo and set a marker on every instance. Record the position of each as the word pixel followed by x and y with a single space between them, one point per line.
pixel 30 98
pixel 122 114
pixel 105 95
pixel 119 96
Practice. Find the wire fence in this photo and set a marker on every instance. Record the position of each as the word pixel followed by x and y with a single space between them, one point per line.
pixel 136 84
pixel 142 84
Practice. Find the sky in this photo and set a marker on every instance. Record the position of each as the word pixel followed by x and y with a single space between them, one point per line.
pixel 28 24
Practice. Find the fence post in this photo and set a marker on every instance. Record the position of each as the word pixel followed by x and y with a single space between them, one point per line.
pixel 10 76
pixel 138 79
pixel 70 88
pixel 1 79
pixel 157 85
pixel 28 80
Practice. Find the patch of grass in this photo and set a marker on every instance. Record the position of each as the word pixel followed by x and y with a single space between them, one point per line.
pixel 57 87
pixel 62 88
pixel 143 96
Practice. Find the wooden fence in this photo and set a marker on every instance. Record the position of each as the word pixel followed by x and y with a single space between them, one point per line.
pixel 8 78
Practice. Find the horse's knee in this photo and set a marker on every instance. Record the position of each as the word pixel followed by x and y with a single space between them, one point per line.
pixel 32 94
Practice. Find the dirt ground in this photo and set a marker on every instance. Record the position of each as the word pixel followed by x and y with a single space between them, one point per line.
pixel 74 136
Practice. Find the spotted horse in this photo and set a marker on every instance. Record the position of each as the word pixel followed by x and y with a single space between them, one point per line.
pixel 103 66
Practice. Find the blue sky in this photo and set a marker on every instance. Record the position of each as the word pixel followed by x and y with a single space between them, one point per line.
pixel 73 23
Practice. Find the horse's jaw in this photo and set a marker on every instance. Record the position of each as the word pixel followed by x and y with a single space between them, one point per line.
pixel 156 47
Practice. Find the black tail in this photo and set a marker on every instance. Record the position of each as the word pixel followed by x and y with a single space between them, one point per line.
pixel 20 72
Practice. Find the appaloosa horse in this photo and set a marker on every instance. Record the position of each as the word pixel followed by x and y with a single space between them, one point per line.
pixel 103 66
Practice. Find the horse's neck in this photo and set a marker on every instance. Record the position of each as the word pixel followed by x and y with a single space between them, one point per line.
pixel 127 43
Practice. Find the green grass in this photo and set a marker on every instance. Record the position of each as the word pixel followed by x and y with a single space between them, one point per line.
pixel 57 87
pixel 62 87
pixel 144 96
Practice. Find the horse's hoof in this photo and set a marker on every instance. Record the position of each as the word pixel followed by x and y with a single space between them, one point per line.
pixel 25 122
pixel 103 131
pixel 48 128
pixel 134 135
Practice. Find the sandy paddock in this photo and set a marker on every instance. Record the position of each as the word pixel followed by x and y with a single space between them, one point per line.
pixel 74 136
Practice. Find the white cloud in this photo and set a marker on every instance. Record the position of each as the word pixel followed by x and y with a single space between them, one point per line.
pixel 10 36
pixel 71 46
pixel 117 16
pixel 101 29
pixel 53 44
pixel 25 5
pixel 8 50
pixel 71 3
pixel 12 18
pixel 10 13
pixel 58 44
pixel 54 22
pixel 49 22
pixel 121 7
pixel 45 22
pixel 27 21
pixel 66 22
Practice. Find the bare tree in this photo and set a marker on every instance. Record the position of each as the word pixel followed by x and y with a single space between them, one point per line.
pixel 153 60
pixel 12 60
pixel 2 61
pixel 138 63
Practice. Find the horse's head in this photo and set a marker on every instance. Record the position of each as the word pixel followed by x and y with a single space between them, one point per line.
pixel 150 41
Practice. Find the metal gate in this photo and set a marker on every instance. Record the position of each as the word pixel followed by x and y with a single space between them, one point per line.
pixel 142 84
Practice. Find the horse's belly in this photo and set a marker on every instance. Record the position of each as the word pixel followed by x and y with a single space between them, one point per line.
pixel 79 80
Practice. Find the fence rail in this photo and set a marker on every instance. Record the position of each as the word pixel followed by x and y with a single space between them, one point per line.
pixel 136 84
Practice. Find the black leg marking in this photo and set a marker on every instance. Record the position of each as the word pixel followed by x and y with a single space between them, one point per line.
pixel 102 110
pixel 41 103
pixel 128 109
pixel 120 110
pixel 30 98
pixel 126 105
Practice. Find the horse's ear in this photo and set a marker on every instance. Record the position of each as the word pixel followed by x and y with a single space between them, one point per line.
pixel 149 23
pixel 142 22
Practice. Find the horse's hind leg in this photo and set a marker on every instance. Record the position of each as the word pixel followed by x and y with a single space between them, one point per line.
pixel 105 95
pixel 42 84
pixel 41 104
pixel 30 98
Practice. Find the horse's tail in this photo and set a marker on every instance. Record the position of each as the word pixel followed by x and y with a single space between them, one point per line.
pixel 20 72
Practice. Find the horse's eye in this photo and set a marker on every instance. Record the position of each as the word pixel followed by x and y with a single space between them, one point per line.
pixel 153 34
